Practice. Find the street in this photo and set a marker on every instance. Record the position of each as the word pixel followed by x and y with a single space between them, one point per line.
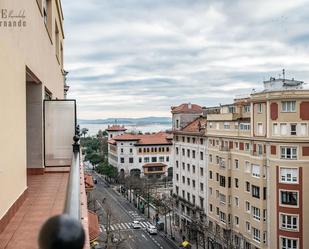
pixel 122 213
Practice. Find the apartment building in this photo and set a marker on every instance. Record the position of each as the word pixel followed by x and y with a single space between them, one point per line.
pixel 37 129
pixel 257 149
pixel 141 154
pixel 190 174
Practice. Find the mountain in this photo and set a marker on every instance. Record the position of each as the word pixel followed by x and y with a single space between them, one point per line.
pixel 137 121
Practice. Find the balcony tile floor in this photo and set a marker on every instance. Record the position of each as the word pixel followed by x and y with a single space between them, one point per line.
pixel 46 197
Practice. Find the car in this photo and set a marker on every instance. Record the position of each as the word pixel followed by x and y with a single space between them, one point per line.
pixel 151 229
pixel 136 224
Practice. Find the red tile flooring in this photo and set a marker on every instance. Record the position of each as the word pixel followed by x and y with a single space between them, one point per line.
pixel 46 198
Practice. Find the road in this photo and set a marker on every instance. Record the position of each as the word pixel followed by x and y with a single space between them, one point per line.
pixel 122 214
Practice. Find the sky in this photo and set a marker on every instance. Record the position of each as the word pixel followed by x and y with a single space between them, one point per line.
pixel 136 58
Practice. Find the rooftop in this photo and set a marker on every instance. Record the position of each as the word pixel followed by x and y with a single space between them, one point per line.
pixel 187 108
pixel 116 128
pixel 145 139
pixel 196 126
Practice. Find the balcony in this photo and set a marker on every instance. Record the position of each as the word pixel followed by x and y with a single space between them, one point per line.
pixel 223 117
pixel 55 203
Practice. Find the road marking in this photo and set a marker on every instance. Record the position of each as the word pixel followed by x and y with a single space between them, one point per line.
pixel 144 237
pixel 148 223
pixel 112 228
pixel 128 226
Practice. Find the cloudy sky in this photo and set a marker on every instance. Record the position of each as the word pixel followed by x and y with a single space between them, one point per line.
pixel 134 58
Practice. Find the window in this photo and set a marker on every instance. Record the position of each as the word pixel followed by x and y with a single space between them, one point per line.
pixel 247 167
pixel 265 237
pixel 193 169
pixel 247 206
pixel 188 153
pixel 283 129
pixel 177 150
pixel 210 190
pixel 256 213
pixel 121 159
pixel 248 186
pixel 289 198
pixel 255 170
pixel 183 152
pixel 222 181
pixel 146 160
pixel 256 234
pixel 255 191
pixel 210 158
pixel 293 129
pixel 231 109
pixel 201 141
pixel 289 152
pixel 264 214
pixel 201 171
pixel 183 179
pixel 140 159
pixel 222 198
pixel 121 150
pixel 226 125
pixel 210 207
pixel 222 217
pixel 236 164
pixel 202 186
pixel 193 183
pixel 188 181
pixel 247 146
pixel 131 160
pixel 288 243
pixel 275 129
pixel 236 183
pixel 246 108
pixel 188 197
pixel 259 149
pixel 210 174
pixel 183 166
pixel 260 129
pixel 177 177
pixel 289 222
pixel 161 159
pixel 288 106
pixel 244 126
pixel 177 164
pixel 167 159
pixel 193 153
pixel 177 123
pixel 188 167
pixel 289 175
pixel 260 108
pixel 248 227
pixel 188 139
pixel 193 140
pixel 193 199
pixel 236 145
pixel 236 201
pixel 140 150
pixel 183 194
pixel 217 177
pixel 201 155
pixel 303 130
pixel 154 159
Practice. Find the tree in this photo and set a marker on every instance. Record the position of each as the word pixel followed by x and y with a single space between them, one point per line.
pixel 84 131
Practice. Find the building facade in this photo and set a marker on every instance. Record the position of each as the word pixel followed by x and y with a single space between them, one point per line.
pixel 31 48
pixel 257 152
pixel 141 154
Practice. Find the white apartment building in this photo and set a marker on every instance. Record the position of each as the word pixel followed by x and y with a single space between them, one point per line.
pixel 142 154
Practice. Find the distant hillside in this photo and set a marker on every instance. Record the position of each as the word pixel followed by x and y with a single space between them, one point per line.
pixel 136 121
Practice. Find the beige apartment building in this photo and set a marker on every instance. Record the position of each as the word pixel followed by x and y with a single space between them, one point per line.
pixel 31 62
pixel 258 150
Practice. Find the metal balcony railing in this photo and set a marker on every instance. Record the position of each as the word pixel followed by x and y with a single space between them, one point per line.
pixel 66 230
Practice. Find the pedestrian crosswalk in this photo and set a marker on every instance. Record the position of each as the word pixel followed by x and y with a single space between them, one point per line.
pixel 123 226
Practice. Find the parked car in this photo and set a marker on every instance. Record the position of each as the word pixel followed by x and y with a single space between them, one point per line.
pixel 151 229
pixel 136 224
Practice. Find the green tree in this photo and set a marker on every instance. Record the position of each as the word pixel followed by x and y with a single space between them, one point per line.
pixel 84 131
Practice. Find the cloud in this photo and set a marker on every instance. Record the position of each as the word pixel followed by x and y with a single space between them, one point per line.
pixel 133 58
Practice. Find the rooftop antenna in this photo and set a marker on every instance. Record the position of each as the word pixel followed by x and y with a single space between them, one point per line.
pixel 283 74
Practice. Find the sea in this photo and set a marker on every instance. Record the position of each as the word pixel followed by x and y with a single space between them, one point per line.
pixel 94 128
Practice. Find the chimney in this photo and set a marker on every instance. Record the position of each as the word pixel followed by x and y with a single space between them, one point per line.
pixel 189 105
